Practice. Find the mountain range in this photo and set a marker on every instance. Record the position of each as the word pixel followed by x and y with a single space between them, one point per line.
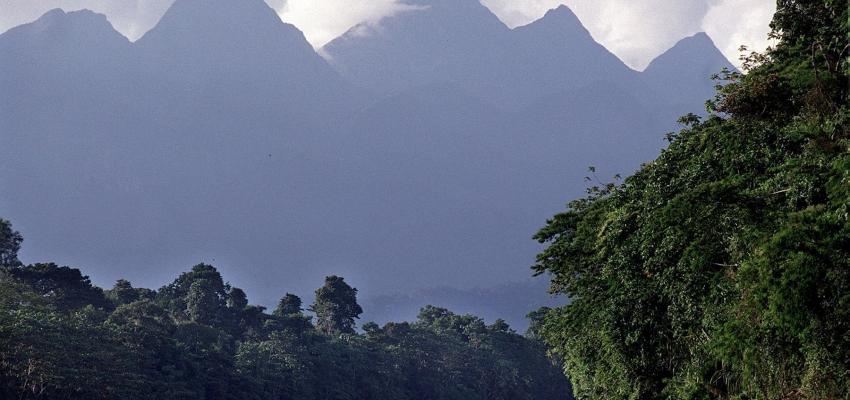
pixel 423 150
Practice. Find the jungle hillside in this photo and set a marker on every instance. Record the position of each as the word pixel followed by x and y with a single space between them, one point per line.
pixel 721 270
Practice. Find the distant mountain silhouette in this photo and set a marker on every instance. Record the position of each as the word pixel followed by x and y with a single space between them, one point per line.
pixel 510 302
pixel 160 143
pixel 239 53
pixel 439 41
pixel 425 153
pixel 462 42
pixel 49 66
pixel 556 54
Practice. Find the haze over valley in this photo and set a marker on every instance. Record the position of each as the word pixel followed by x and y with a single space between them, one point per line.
pixel 424 199
pixel 417 154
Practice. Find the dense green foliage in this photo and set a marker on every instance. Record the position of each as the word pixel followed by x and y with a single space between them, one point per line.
pixel 721 270
pixel 10 244
pixel 198 338
pixel 336 306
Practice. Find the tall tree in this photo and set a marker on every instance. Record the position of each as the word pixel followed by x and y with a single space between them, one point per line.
pixel 10 244
pixel 289 304
pixel 237 299
pixel 336 306
pixel 288 317
pixel 123 292
pixel 203 305
pixel 173 297
pixel 536 319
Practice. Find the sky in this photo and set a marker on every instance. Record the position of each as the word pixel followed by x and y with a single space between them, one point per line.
pixel 635 30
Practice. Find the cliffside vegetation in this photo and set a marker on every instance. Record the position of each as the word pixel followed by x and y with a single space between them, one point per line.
pixel 721 270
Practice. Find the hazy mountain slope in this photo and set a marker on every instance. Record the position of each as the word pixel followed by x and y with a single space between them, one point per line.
pixel 464 43
pixel 557 55
pixel 66 83
pixel 221 136
pixel 448 181
pixel 682 75
pixel 439 41
pixel 432 171
pixel 124 154
pixel 239 57
pixel 510 302
pixel 56 59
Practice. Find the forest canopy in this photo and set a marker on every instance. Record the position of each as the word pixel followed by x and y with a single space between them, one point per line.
pixel 199 338
pixel 721 270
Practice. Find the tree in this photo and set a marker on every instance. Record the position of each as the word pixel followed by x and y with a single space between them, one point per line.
pixel 720 269
pixel 145 333
pixel 63 338
pixel 280 362
pixel 336 306
pixel 66 288
pixel 289 304
pixel 173 297
pixel 500 325
pixel 10 244
pixel 536 319
pixel 371 329
pixel 203 303
pixel 237 299
pixel 123 292
pixel 143 350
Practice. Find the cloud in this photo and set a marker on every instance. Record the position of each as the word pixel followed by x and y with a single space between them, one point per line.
pixel 749 17
pixel 636 30
pixel 323 20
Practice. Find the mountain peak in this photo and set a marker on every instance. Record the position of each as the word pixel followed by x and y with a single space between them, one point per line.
pixel 696 53
pixel 52 15
pixel 558 21
pixel 434 41
pixel 699 39
pixel 57 14
pixel 210 33
pixel 229 44
pixel 443 3
pixel 702 36
pixel 210 21
pixel 57 18
pixel 562 13
pixel 454 12
pixel 682 74
pixel 57 28
pixel 236 10
pixel 446 22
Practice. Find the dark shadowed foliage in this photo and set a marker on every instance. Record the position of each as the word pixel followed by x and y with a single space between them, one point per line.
pixel 10 244
pixel 197 338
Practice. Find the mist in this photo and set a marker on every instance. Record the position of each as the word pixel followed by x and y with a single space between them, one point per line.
pixel 400 162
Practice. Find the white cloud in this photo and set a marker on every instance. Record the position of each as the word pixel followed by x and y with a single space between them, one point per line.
pixel 749 17
pixel 323 20
pixel 638 30
pixel 635 30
